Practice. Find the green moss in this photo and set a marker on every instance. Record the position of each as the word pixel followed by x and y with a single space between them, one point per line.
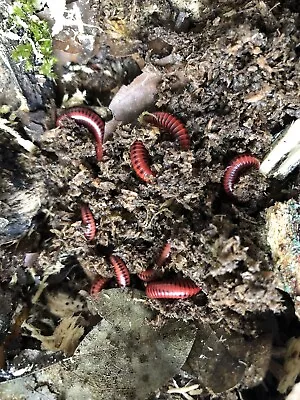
pixel 35 48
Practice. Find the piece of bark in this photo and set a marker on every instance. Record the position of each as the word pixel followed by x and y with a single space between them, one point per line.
pixel 130 101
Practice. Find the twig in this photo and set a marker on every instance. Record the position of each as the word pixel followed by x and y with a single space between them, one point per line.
pixel 26 144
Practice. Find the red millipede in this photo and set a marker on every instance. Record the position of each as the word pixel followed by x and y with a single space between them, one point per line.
pixel 164 255
pixel 121 271
pixel 90 120
pixel 171 124
pixel 177 289
pixel 139 159
pixel 89 222
pixel 149 275
pixel 234 169
pixel 152 274
pixel 98 285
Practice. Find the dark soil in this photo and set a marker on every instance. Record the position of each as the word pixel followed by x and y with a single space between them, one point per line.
pixel 235 86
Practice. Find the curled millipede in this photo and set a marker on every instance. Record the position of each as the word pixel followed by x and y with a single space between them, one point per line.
pixel 177 289
pixel 235 168
pixel 98 285
pixel 89 222
pixel 89 119
pixel 139 159
pixel 164 255
pixel 121 271
pixel 171 124
pixel 149 275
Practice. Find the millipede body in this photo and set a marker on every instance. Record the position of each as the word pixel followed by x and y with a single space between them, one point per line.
pixel 149 275
pixel 164 255
pixel 139 157
pixel 98 285
pixel 88 220
pixel 177 289
pixel 89 119
pixel 121 271
pixel 171 124
pixel 235 168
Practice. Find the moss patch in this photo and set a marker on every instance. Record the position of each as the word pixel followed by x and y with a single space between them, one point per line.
pixel 35 48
